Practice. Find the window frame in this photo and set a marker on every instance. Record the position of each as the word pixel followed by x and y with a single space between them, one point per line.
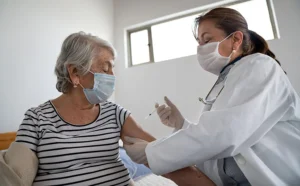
pixel 147 26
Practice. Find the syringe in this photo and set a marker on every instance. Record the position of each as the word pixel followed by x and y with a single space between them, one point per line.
pixel 156 106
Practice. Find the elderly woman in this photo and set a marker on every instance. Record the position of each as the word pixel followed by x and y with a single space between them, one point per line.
pixel 75 136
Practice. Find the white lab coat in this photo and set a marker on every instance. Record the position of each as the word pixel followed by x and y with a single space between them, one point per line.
pixel 255 119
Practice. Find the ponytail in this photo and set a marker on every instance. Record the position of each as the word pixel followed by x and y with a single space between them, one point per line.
pixel 260 45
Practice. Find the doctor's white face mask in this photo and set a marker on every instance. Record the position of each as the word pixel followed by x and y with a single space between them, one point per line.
pixel 210 59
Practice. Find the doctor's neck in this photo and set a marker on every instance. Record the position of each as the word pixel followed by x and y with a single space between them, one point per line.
pixel 235 55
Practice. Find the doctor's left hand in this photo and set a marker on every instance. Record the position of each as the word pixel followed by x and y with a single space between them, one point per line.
pixel 135 149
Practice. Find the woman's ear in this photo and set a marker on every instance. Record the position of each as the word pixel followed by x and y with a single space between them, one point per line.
pixel 73 73
pixel 237 40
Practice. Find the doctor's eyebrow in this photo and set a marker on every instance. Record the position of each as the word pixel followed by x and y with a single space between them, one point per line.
pixel 203 34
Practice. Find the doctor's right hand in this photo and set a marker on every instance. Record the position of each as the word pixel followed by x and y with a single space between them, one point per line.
pixel 170 115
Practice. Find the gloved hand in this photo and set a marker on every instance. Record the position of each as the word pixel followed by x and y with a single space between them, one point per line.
pixel 170 115
pixel 135 149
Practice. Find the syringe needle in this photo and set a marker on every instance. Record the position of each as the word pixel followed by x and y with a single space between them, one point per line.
pixel 150 114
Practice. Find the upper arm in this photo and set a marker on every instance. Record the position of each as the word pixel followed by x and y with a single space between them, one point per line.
pixel 28 132
pixel 132 129
pixel 129 126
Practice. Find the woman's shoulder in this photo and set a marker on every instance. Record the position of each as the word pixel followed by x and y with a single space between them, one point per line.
pixel 109 104
pixel 119 110
pixel 42 109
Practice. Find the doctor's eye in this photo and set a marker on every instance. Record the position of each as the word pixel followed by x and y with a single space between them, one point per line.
pixel 207 41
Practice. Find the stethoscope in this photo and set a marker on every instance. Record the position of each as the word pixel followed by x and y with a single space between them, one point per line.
pixel 211 102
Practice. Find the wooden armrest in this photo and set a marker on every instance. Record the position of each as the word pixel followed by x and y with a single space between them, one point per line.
pixel 6 139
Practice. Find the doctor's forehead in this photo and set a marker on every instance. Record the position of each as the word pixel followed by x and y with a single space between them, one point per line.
pixel 208 27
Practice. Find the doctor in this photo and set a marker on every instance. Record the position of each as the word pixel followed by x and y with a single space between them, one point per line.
pixel 249 132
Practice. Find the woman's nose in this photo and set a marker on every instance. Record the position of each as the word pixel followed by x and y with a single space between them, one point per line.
pixel 111 72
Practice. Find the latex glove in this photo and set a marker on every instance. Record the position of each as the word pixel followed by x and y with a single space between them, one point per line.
pixel 135 149
pixel 170 115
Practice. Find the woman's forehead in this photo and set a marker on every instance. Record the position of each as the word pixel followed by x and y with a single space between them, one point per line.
pixel 104 58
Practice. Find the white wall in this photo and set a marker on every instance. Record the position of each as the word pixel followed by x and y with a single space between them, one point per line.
pixel 182 79
pixel 31 34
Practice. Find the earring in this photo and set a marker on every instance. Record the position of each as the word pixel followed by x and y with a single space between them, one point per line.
pixel 75 86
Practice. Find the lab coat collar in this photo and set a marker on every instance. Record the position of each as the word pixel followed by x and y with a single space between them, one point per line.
pixel 231 63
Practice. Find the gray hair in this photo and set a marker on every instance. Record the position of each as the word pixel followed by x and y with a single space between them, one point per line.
pixel 80 50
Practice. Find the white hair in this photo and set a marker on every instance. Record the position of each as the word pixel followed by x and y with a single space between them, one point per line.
pixel 80 50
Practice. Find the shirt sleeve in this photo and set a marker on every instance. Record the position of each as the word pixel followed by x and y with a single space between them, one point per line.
pixel 121 115
pixel 28 131
pixel 185 125
pixel 253 100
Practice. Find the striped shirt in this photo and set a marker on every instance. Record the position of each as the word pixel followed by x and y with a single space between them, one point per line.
pixel 75 154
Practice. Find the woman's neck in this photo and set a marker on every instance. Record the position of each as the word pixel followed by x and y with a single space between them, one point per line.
pixel 76 100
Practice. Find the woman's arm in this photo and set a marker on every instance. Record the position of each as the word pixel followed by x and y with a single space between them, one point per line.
pixel 18 165
pixel 186 176
pixel 132 129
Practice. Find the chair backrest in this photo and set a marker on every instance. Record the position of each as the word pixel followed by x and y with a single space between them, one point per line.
pixel 6 139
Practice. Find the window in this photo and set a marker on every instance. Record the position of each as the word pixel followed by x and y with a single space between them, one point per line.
pixel 173 38
pixel 140 47
pixel 260 21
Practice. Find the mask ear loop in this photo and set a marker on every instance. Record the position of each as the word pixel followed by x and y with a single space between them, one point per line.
pixel 227 37
pixel 233 50
pixel 80 83
pixel 91 72
pixel 75 85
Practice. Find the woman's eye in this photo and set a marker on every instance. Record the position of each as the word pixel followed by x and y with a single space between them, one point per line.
pixel 105 70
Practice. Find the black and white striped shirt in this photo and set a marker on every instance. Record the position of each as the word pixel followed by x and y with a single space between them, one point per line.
pixel 75 154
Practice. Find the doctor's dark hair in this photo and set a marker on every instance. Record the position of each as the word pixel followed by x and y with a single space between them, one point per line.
pixel 230 20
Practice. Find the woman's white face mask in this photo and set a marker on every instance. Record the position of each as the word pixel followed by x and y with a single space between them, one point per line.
pixel 104 86
pixel 210 59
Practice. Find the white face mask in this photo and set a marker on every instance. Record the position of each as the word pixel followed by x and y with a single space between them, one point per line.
pixel 104 86
pixel 210 59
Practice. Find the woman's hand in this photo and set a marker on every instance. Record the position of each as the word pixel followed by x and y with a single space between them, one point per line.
pixel 170 115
